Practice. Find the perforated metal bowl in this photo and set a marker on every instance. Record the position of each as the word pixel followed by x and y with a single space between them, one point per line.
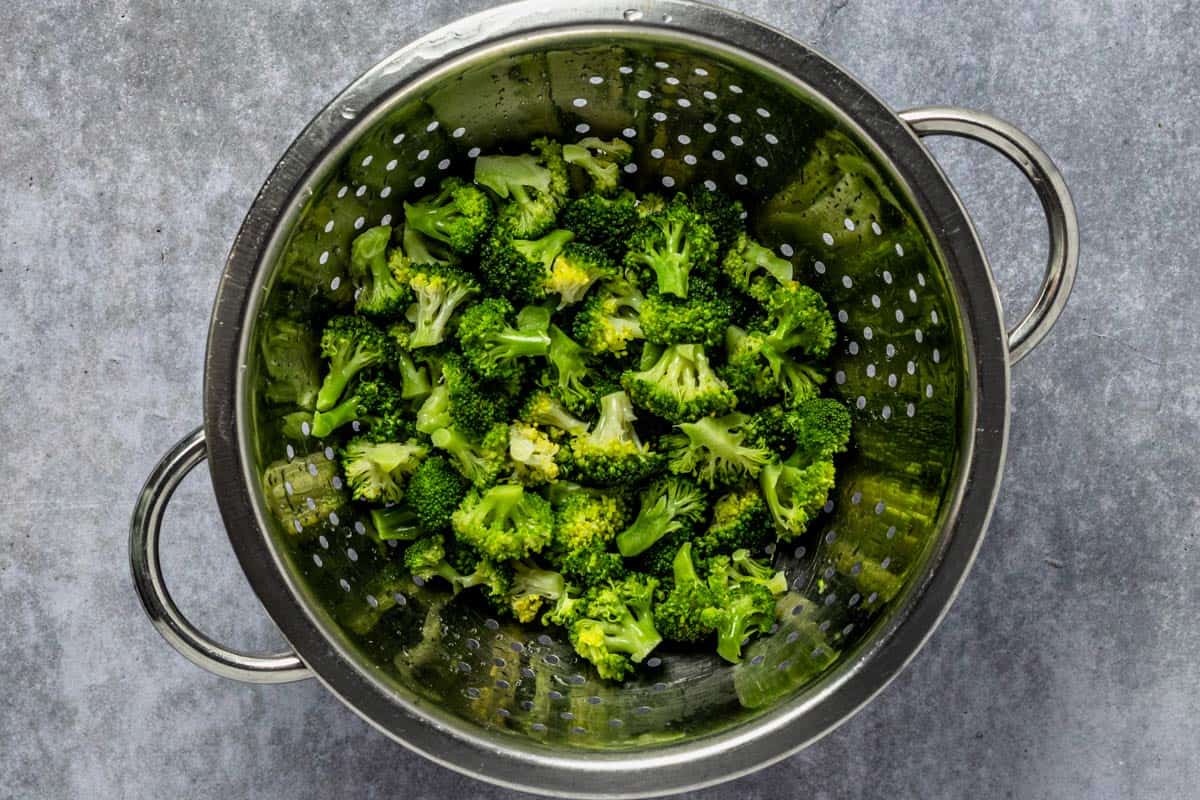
pixel 709 100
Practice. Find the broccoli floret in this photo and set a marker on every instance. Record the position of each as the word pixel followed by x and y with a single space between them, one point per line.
pixel 535 184
pixel 659 557
pixel 593 566
pixel 302 492
pixel 795 494
pixel 611 453
pixel 474 406
pixel 414 377
pixel 649 204
pixel 373 400
pixel 493 346
pixel 351 344
pixel 586 519
pixel 606 222
pixel 459 215
pixel 740 520
pixel 724 215
pixel 713 449
pixel 439 290
pixel 544 409
pixel 531 587
pixel 417 249
pixel 293 366
pixel 609 319
pixel 601 160
pixel 375 471
pixel 681 386
pixel 380 292
pixel 757 371
pixel 426 559
pixel 569 370
pixel 741 610
pixel 522 268
pixel 574 271
pixel 617 629
pixel 480 463
pixel 396 523
pixel 669 246
pixel 815 429
pixel 797 317
pixel 532 452
pixel 744 262
pixel 505 522
pixel 434 412
pixel 749 570
pixel 435 490
pixel 668 505
pixel 567 609
pixel 683 614
pixel 700 319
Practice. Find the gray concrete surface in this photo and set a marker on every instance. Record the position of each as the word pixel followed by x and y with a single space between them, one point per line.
pixel 135 135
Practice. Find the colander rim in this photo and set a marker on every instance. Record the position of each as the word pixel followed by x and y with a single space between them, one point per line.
pixel 673 767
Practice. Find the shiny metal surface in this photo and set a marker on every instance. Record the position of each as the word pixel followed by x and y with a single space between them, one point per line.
pixel 517 708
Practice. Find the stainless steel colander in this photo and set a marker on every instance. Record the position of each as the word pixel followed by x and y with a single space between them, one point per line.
pixel 835 181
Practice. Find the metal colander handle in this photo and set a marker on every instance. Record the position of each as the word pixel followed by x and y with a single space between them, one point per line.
pixel 193 644
pixel 1051 190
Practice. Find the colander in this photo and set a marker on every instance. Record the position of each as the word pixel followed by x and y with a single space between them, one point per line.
pixel 835 181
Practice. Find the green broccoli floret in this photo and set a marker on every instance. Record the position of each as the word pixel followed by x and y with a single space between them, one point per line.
pixel 531 587
pixel 611 453
pixel 505 522
pixel 713 449
pixel 535 184
pixel 569 371
pixel 601 160
pixel 668 505
pixel 815 429
pixel 758 372
pixel 532 453
pixel 660 556
pixel 797 317
pixel 593 566
pixel 414 377
pixel 459 215
pixel 396 523
pixel 744 262
pixel 749 570
pixel 586 519
pixel 434 412
pixel 617 629
pixel 741 609
pixel 795 494
pixel 723 214
pixel 609 319
pixel 493 346
pixel 681 386
pixel 544 409
pixel 474 406
pixel 351 344
pixel 417 249
pixel 740 520
pixel 372 400
pixel 700 319
pixel 650 203
pixel 669 246
pixel 380 292
pixel 293 366
pixel 574 271
pixel 439 290
pixel 426 559
pixel 375 471
pixel 479 462
pixel 435 490
pixel 303 491
pixel 683 614
pixel 606 222
pixel 522 268
pixel 567 609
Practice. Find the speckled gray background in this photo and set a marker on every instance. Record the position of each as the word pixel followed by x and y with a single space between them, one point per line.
pixel 135 135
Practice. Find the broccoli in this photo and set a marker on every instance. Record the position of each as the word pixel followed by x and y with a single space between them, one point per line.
pixel 535 185
pixel 568 607
pixel 493 346
pixel 680 386
pixel 746 258
pixel 611 453
pixel 605 222
pixel 601 160
pixel 302 492
pixel 649 204
pixel 593 566
pixel 569 370
pixel 396 523
pixel 371 399
pixel 748 570
pixel 700 319
pixel 439 290
pixel 758 372
pixel 426 559
pixel 724 215
pixel 351 344
pixel 459 215
pixel 379 293
pixel 683 614
pixel 504 522
pixel 375 471
pixel 522 268
pixel 713 449
pixel 479 462
pixel 609 319
pixel 742 608
pixel 740 520
pixel 670 245
pixel 474 406
pixel 290 357
pixel 531 586
pixel 659 557
pixel 798 317
pixel 586 519
pixel 532 452
pixel 617 628
pixel 795 494
pixel 435 490
pixel 815 429
pixel 417 249
pixel 668 505
pixel 542 408
pixel 434 412
pixel 574 271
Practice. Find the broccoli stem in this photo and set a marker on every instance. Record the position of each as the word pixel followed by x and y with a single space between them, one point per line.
pixel 326 422
pixel 415 382
pixel 733 626
pixel 396 523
